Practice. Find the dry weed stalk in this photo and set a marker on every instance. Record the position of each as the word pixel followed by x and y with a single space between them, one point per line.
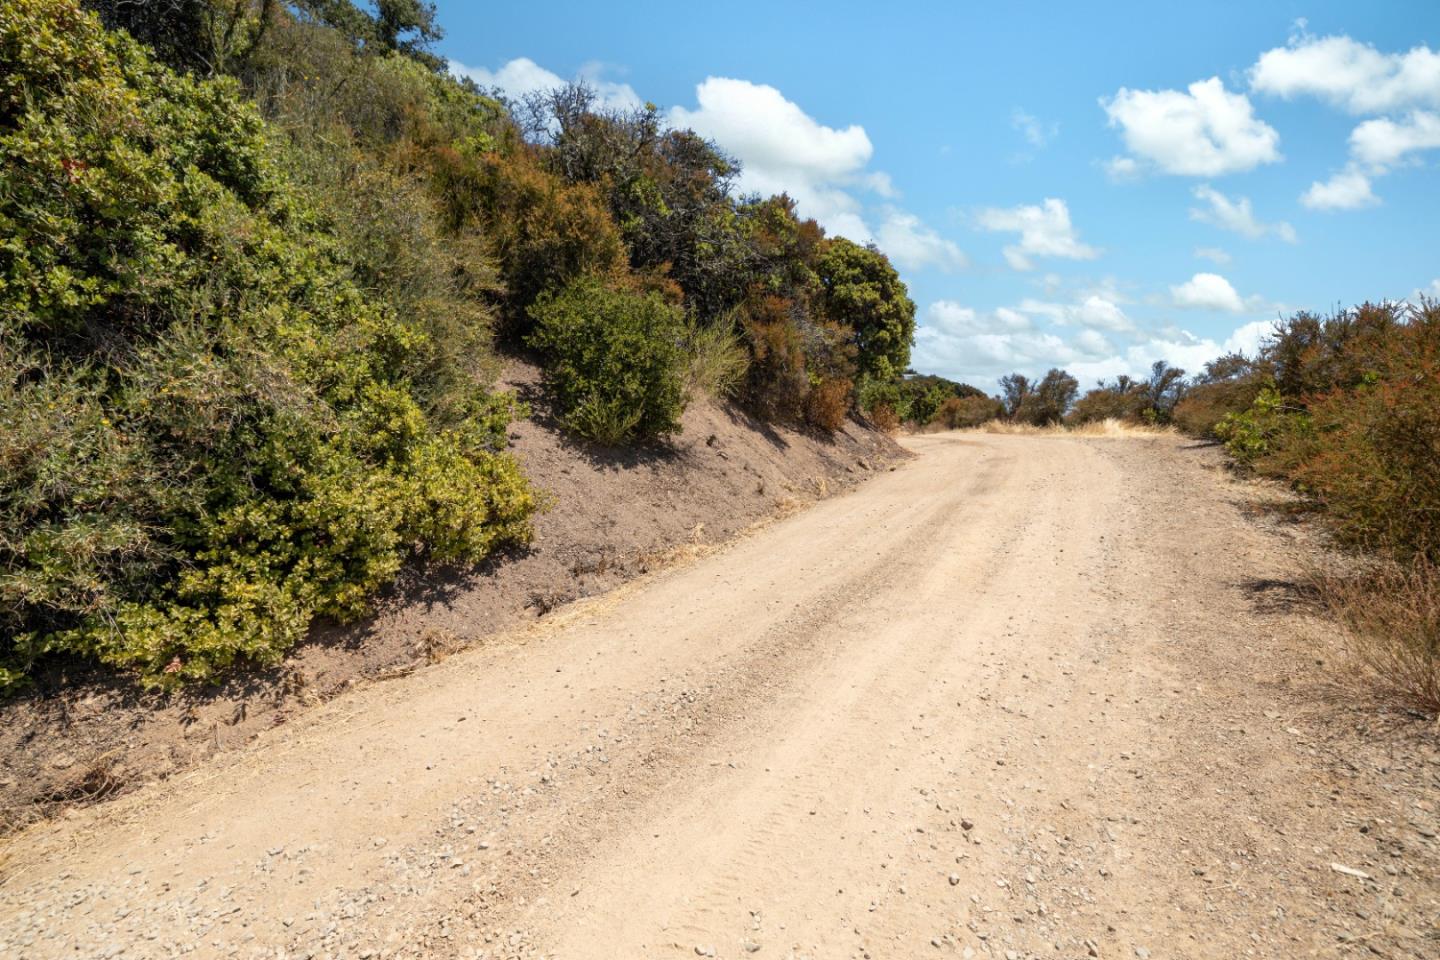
pixel 1391 612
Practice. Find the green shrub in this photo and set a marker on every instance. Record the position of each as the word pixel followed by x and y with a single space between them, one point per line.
pixel 1267 434
pixel 213 434
pixel 925 394
pixel 718 360
pixel 874 393
pixel 861 291
pixel 614 360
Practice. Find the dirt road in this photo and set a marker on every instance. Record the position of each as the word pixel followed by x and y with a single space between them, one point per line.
pixel 1022 696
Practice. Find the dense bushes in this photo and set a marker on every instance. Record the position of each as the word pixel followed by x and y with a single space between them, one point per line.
pixel 613 360
pixel 213 433
pixel 1343 406
pixel 963 413
pixel 1152 400
pixel 1228 385
pixel 814 312
pixel 545 232
pixel 921 396
pixel 1346 410
pixel 249 278
pixel 1364 439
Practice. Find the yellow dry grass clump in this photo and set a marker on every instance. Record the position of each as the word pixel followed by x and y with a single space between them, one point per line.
pixel 1109 427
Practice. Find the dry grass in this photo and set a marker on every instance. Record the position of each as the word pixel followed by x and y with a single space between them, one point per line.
pixel 436 644
pixel 1096 428
pixel 1391 613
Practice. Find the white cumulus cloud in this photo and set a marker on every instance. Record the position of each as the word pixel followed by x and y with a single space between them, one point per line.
pixel 969 345
pixel 776 139
pixel 782 149
pixel 1207 291
pixel 1097 311
pixel 1090 310
pixel 1203 131
pixel 1384 142
pixel 1235 215
pixel 523 76
pixel 955 319
pixel 1347 190
pixel 914 246
pixel 1349 74
pixel 1045 231
pixel 1376 147
pixel 1358 78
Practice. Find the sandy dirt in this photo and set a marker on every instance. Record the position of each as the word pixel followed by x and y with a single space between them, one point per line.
pixel 1020 697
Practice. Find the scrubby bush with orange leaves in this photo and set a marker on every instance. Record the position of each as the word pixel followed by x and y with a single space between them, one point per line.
pixel 827 404
pixel 1348 410
pixel 1345 407
pixel 1372 453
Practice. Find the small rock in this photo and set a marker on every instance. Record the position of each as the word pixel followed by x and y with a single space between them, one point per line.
pixel 954 879
pixel 1142 953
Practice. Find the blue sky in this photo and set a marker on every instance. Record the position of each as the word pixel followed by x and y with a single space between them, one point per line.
pixel 1059 186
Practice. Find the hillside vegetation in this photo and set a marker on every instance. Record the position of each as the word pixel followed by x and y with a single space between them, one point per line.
pixel 256 261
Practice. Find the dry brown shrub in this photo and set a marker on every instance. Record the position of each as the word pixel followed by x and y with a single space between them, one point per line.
pixel 884 417
pixel 1205 405
pixel 963 413
pixel 827 404
pixel 1391 613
